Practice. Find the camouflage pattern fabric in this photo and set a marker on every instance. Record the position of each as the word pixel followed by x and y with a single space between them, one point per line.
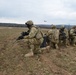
pixel 35 39
pixel 72 36
pixel 53 36
pixel 64 37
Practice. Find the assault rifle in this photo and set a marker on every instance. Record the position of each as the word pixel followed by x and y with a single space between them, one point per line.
pixel 19 38
pixel 27 33
pixel 62 34
pixel 22 35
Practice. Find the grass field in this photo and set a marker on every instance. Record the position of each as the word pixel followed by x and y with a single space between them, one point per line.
pixel 13 62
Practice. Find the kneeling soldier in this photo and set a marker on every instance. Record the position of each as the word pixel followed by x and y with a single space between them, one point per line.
pixel 35 38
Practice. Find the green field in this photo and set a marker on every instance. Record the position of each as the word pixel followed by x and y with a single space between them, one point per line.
pixel 13 62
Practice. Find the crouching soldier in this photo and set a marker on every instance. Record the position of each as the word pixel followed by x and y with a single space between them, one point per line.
pixel 73 36
pixel 53 37
pixel 64 36
pixel 35 38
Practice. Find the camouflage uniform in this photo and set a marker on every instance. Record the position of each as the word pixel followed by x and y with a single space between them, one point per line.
pixel 73 36
pixel 53 36
pixel 34 38
pixel 64 36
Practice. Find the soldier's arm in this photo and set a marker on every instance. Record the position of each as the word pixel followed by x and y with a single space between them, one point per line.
pixel 49 32
pixel 66 32
pixel 72 32
pixel 31 34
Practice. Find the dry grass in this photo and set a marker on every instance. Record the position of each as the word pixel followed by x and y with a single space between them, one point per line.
pixel 13 62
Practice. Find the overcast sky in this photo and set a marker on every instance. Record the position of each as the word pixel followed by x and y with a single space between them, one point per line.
pixel 52 11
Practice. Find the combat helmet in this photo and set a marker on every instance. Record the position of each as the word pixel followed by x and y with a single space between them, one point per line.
pixel 53 26
pixel 74 27
pixel 29 22
pixel 62 26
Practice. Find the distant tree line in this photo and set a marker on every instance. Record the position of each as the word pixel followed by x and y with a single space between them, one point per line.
pixel 39 25
pixel 11 25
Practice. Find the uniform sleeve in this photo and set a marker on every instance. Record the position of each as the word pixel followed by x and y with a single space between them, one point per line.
pixel 71 31
pixel 49 32
pixel 66 32
pixel 31 34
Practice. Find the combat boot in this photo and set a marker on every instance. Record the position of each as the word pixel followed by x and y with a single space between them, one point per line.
pixel 56 46
pixel 66 46
pixel 45 49
pixel 48 49
pixel 30 54
pixel 74 45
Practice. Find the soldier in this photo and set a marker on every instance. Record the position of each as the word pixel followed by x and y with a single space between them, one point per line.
pixel 53 37
pixel 35 38
pixel 73 36
pixel 64 36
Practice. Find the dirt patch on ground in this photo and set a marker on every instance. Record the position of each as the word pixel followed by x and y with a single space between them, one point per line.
pixel 13 62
